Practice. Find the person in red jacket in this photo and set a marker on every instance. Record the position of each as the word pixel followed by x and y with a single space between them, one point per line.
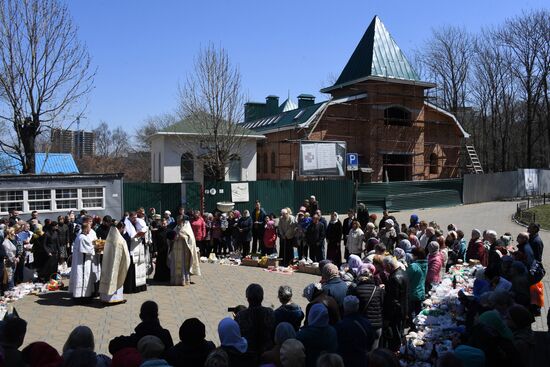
pixel 270 236
pixel 199 230
pixel 476 250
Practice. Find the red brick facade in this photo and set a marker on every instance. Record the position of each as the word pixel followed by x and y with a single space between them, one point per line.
pixel 399 152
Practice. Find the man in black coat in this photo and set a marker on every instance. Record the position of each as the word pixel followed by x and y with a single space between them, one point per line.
pixel 193 348
pixel 150 325
pixel 258 220
pixel 395 303
pixel 315 237
pixel 535 241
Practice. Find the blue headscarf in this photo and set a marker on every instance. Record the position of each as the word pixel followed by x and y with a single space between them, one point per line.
pixel 414 221
pixel 230 335
pixel 318 315
pixel 284 331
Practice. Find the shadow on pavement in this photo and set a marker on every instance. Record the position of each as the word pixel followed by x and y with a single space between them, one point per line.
pixel 63 299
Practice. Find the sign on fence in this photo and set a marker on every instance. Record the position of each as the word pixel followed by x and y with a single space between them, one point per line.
pixel 239 192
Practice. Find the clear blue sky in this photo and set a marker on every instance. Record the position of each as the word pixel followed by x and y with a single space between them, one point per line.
pixel 144 48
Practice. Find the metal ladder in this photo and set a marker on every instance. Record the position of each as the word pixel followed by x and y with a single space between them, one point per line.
pixel 474 164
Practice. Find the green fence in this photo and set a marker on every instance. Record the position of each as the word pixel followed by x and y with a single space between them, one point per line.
pixel 410 194
pixel 334 195
pixel 161 196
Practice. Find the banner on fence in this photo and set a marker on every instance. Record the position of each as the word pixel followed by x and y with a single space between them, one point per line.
pixel 322 158
pixel 239 192
pixel 531 181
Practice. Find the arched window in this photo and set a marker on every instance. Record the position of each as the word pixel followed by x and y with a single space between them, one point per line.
pixel 187 167
pixel 265 164
pixel 397 116
pixel 234 171
pixel 273 162
pixel 433 164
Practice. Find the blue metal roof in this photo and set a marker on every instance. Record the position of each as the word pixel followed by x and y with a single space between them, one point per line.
pixel 50 163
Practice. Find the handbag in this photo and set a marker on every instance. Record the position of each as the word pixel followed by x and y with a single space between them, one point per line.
pixel 536 273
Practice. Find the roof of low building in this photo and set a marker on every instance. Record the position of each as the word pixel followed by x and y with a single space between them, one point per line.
pixel 377 56
pixel 45 163
pixel 299 117
pixel 193 127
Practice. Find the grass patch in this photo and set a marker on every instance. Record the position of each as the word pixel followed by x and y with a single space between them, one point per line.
pixel 542 215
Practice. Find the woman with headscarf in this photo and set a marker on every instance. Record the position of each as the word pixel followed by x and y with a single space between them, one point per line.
pixel 371 300
pixel 315 294
pixel 476 250
pixel 414 221
pixel 283 332
pixel 404 244
pixel 519 320
pixel 193 348
pixel 413 239
pixel 40 354
pixel 435 263
pixel 269 235
pixel 416 273
pixel 334 237
pixel 234 344
pixel 82 338
pixel 495 338
pixel 354 263
pixel 183 257
pixel 356 238
pixel 318 336
pixel 293 353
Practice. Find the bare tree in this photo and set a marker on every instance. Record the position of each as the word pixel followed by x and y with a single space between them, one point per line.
pixel 151 125
pixel 446 62
pixel 521 35
pixel 111 143
pixel 211 98
pixel 45 72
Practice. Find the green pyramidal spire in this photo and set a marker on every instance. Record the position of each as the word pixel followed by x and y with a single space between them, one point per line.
pixel 377 54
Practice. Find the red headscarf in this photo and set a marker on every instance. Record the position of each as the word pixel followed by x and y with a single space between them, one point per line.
pixel 40 354
pixel 127 357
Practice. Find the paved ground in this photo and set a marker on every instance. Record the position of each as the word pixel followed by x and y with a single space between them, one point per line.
pixel 51 317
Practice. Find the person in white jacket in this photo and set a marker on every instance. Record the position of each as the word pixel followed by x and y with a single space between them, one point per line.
pixel 356 237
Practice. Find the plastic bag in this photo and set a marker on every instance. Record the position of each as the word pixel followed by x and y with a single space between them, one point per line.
pixel 537 294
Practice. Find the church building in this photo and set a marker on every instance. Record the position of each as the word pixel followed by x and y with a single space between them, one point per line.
pixel 377 106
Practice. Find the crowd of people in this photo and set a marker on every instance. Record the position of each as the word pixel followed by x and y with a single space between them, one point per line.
pixel 357 313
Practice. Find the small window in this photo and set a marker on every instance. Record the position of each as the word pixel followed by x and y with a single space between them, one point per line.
pixel 433 164
pixel 273 162
pixel 40 199
pixel 187 167
pixel 92 197
pixel 397 116
pixel 265 164
pixel 11 200
pixel 234 171
pixel 66 198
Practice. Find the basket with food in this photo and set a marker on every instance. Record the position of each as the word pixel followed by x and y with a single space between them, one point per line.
pixel 99 245
pixel 309 269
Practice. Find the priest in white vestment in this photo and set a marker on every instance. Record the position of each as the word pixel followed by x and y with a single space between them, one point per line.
pixel 83 272
pixel 183 259
pixel 134 231
pixel 114 266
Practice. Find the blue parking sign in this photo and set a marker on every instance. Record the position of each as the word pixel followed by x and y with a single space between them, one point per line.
pixel 352 161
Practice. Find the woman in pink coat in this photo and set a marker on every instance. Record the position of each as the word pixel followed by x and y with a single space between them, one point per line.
pixel 270 236
pixel 199 230
pixel 435 264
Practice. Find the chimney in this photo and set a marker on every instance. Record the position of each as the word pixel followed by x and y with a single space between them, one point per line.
pixel 271 105
pixel 305 100
pixel 254 111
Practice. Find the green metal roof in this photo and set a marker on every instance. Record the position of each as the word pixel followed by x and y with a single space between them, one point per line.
pixel 195 127
pixel 284 119
pixel 376 55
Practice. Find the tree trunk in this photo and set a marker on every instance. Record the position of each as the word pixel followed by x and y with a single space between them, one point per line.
pixel 28 145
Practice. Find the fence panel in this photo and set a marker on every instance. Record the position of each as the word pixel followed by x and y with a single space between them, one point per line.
pixel 409 194
pixel 277 194
pixel 152 195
